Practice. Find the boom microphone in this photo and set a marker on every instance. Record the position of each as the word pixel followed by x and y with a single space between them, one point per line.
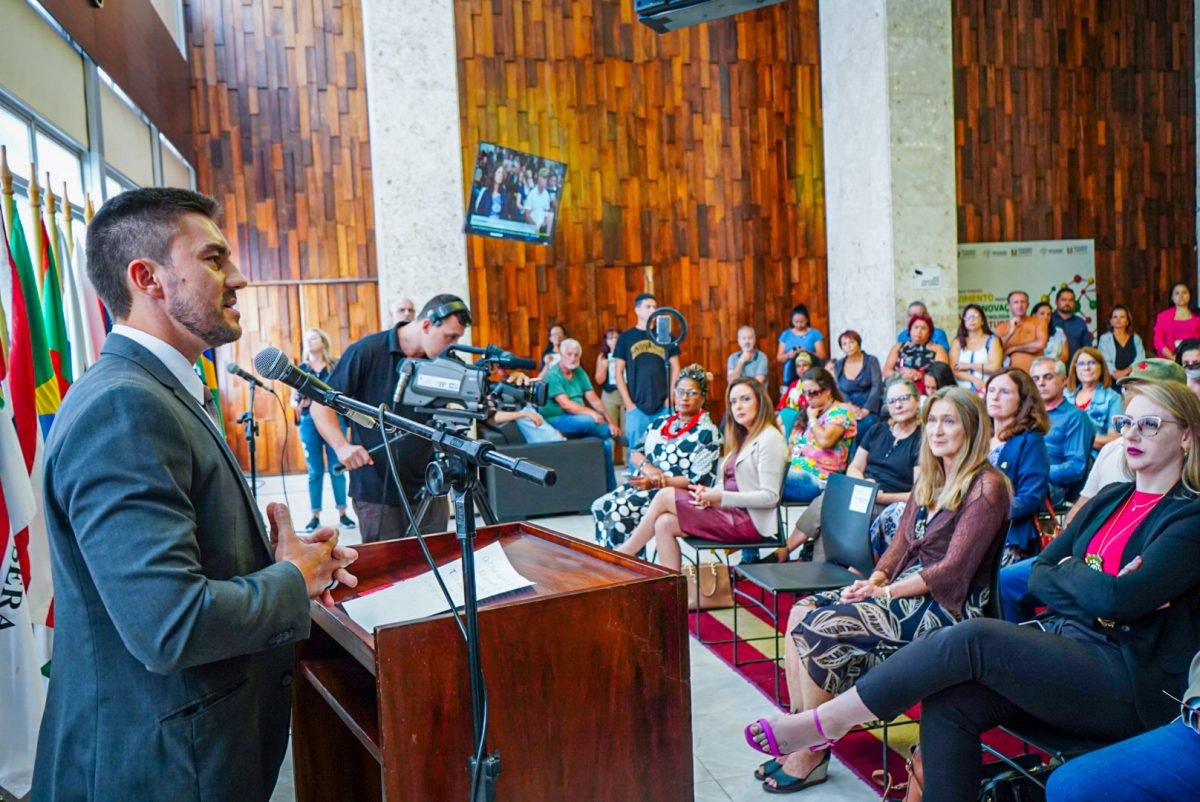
pixel 271 363
pixel 245 374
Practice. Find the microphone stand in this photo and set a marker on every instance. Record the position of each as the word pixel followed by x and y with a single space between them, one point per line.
pixel 247 418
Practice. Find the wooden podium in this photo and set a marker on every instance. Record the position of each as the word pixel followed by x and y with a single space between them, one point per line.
pixel 587 678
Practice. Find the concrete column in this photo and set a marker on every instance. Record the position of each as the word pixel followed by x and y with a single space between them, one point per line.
pixel 416 149
pixel 887 97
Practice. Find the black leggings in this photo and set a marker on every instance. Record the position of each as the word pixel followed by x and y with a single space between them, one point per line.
pixel 980 673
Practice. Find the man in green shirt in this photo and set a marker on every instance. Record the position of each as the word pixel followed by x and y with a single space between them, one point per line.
pixel 574 408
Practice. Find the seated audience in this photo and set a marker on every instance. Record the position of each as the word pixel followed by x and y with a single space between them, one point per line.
pixel 860 379
pixel 530 422
pixel 1187 356
pixel 1121 585
pixel 886 455
pixel 791 401
pixel 910 359
pixel 1090 389
pixel 747 360
pixel 606 377
pixel 800 337
pixel 1178 322
pixel 939 335
pixel 1120 345
pixel 680 450
pixel 976 352
pixel 1070 323
pixel 550 354
pixel 574 408
pixel 934 575
pixel 937 376
pixel 1056 343
pixel 1018 448
pixel 1162 764
pixel 1069 441
pixel 821 445
pixel 1022 336
pixel 739 510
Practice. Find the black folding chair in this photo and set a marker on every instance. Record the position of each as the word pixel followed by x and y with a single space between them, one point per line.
pixel 845 530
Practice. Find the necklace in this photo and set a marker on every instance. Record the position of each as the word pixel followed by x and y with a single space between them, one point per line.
pixel 666 432
pixel 1095 559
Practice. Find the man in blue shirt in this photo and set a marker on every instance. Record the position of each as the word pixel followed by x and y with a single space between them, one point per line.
pixel 1073 326
pixel 1069 441
pixel 939 335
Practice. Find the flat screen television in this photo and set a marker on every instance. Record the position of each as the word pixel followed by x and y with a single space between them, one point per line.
pixel 514 195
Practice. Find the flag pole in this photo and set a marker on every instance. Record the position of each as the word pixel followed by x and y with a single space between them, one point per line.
pixel 68 222
pixel 6 189
pixel 35 216
pixel 88 210
pixel 52 227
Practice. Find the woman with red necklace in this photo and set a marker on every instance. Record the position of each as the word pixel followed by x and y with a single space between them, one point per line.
pixel 1122 590
pixel 681 449
pixel 741 508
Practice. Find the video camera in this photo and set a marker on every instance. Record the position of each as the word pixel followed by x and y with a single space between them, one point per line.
pixel 454 391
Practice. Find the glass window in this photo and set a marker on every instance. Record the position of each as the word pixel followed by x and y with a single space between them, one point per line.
pixel 14 135
pixel 114 185
pixel 64 165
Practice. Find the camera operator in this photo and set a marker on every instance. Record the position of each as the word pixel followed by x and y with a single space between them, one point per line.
pixel 368 371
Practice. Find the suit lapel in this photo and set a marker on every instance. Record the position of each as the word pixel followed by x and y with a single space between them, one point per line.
pixel 133 351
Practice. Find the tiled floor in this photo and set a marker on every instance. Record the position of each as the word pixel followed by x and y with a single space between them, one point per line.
pixel 722 702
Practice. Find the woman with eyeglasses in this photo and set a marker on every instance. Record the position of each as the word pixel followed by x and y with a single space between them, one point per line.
pixel 822 445
pixel 1090 389
pixel 1018 447
pixel 1122 589
pixel 1120 345
pixel 741 508
pixel 791 401
pixel 975 353
pixel 934 575
pixel 680 450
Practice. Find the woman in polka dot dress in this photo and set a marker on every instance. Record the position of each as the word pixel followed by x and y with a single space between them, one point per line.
pixel 681 449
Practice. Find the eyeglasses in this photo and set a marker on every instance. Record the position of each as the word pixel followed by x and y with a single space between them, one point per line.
pixel 897 400
pixel 813 393
pixel 1090 363
pixel 1147 425
pixel 684 392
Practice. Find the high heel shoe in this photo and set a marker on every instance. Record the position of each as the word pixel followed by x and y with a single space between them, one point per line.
pixel 785 783
pixel 772 744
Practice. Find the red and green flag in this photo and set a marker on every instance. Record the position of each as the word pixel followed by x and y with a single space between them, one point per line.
pixel 55 321
pixel 32 373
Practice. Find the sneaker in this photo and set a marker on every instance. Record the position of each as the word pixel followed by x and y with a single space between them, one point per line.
pixel 313 525
pixel 345 522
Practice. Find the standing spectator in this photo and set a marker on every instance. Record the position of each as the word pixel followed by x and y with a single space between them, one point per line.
pixel 1089 388
pixel 1018 447
pixel 747 360
pixel 1187 356
pixel 573 406
pixel 1069 441
pixel 550 354
pixel 319 455
pixel 606 377
pixel 860 379
pixel 1120 346
pixel 823 446
pixel 939 335
pixel 641 372
pixel 1022 337
pixel 1072 325
pixel 402 310
pixel 976 353
pixel 1178 322
pixel 909 359
pixel 800 337
pixel 1056 343
pixel 791 401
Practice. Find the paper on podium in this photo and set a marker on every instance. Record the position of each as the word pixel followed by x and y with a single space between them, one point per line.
pixel 420 596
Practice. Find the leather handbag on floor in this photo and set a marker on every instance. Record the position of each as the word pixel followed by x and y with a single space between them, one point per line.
pixel 711 589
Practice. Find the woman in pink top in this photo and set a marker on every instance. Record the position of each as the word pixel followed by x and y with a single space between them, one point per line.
pixel 1178 323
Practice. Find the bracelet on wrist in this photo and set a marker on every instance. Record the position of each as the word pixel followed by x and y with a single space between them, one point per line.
pixel 887 594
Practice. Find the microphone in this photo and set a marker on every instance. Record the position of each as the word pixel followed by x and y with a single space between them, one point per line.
pixel 243 374
pixel 405 373
pixel 271 363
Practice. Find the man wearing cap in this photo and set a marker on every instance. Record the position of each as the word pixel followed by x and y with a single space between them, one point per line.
pixel 368 371
pixel 1108 468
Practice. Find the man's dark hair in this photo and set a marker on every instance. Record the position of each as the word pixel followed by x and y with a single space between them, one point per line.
pixel 1184 347
pixel 441 307
pixel 138 224
pixel 1058 294
pixel 643 296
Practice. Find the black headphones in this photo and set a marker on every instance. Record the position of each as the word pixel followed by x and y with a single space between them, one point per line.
pixel 438 314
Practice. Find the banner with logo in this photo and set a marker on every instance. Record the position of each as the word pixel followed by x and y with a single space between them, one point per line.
pixel 989 271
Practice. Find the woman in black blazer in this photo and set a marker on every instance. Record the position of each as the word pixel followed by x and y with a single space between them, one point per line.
pixel 1123 588
pixel 1019 426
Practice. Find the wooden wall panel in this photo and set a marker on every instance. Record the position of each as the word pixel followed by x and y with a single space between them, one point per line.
pixel 694 169
pixel 1077 119
pixel 280 114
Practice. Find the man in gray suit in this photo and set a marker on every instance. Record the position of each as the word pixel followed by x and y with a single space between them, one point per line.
pixel 174 612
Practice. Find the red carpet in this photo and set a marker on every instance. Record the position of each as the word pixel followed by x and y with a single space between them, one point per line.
pixel 862 750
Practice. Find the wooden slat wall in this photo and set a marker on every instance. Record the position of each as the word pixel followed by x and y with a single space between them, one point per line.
pixel 694 164
pixel 280 111
pixel 1077 119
